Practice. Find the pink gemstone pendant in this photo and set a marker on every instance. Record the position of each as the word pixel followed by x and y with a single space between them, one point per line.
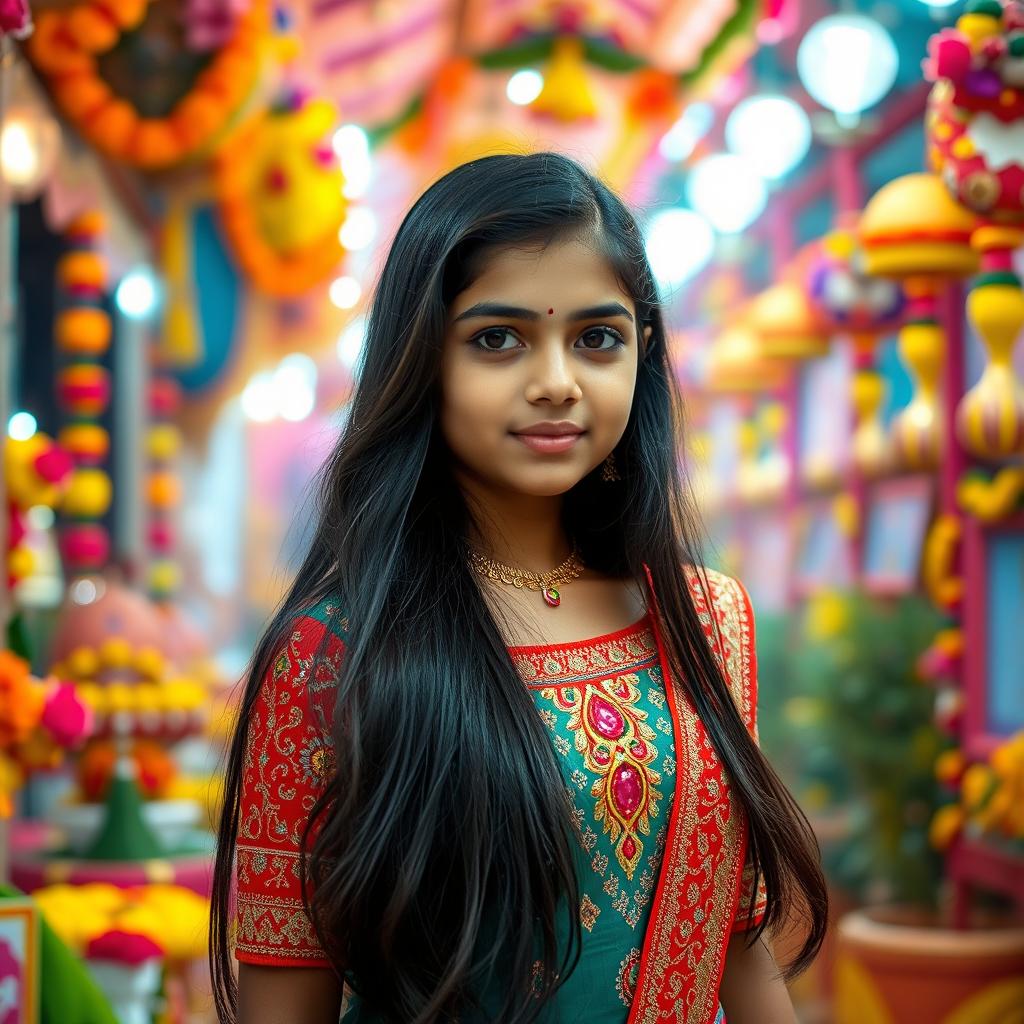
pixel 552 597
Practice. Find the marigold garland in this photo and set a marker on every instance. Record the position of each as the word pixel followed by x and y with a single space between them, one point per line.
pixel 65 47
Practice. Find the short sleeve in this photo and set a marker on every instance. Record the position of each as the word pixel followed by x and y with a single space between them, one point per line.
pixel 288 761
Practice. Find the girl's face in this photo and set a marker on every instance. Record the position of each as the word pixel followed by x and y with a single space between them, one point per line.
pixel 539 368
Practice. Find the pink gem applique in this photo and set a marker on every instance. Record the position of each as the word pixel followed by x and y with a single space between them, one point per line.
pixel 605 718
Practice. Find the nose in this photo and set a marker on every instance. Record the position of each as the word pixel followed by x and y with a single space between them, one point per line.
pixel 552 378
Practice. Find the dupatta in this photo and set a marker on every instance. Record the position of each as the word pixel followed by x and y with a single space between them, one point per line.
pixel 698 895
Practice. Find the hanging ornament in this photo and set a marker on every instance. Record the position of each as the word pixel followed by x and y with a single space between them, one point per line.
pixel 83 333
pixel 975 119
pixel 97 59
pixel 567 94
pixel 279 190
pixel 787 324
pixel 870 445
pixel 163 444
pixel 863 308
pixel 913 231
pixel 990 417
pixel 917 430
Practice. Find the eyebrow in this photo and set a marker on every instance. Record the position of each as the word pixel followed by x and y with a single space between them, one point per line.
pixel 497 309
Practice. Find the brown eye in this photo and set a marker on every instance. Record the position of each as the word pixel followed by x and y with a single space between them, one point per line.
pixel 594 339
pixel 492 340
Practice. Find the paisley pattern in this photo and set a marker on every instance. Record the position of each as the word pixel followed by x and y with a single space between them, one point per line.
pixel 661 854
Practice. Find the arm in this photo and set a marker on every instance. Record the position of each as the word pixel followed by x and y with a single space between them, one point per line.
pixel 752 989
pixel 284 995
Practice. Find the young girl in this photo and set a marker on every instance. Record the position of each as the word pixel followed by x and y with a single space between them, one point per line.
pixel 496 759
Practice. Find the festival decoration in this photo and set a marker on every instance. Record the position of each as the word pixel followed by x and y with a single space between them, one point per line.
pixel 737 365
pixel 170 915
pixel 36 472
pixel 15 19
pixel 992 499
pixel 135 691
pixel 990 417
pixel 39 720
pixel 163 490
pixel 67 48
pixel 126 966
pixel 976 133
pixel 976 108
pixel 991 794
pixel 566 94
pixel 82 332
pixel 279 188
pixel 914 232
pixel 787 324
pixel 864 309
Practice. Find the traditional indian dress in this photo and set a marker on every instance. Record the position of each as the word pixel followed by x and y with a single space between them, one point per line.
pixel 661 840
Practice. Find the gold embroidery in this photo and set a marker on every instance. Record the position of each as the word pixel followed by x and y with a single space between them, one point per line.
pixel 617 746
pixel 579 662
pixel 589 911
pixel 685 947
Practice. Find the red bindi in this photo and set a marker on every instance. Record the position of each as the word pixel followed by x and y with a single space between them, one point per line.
pixel 551 312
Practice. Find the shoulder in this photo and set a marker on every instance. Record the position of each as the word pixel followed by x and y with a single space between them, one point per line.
pixel 724 608
pixel 294 703
pixel 315 633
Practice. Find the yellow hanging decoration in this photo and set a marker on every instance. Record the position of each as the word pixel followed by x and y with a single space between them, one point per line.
pixel 917 431
pixel 181 343
pixel 567 94
pixel 872 452
pixel 990 417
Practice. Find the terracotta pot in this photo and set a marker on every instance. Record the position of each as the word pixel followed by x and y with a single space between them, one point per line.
pixel 899 966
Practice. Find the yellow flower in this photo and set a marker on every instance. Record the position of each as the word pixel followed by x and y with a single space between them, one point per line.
pixel 945 826
pixel 949 766
pixel 976 785
pixel 83 663
pixel 828 614
pixel 184 917
pixel 72 914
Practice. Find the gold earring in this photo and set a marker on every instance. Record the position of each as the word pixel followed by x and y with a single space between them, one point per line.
pixel 610 472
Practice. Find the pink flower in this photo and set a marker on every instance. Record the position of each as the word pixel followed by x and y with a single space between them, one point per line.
pixel 124 948
pixel 15 18
pixel 66 717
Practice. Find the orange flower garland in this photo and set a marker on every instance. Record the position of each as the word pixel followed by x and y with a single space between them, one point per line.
pixel 64 49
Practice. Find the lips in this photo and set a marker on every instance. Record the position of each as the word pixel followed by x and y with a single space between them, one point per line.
pixel 550 444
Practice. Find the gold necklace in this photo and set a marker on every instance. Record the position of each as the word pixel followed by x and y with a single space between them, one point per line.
pixel 547 583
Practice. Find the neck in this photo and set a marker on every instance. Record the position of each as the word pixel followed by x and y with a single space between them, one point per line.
pixel 522 530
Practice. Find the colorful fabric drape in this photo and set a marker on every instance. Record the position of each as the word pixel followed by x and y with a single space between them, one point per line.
pixel 661 842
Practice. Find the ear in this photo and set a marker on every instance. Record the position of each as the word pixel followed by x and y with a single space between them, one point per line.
pixel 645 340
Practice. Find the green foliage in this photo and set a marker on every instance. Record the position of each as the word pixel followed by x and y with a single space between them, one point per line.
pixel 878 720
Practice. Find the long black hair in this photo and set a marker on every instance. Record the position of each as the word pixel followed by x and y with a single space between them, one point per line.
pixel 446 819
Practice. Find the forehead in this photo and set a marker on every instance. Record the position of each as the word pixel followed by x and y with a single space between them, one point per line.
pixel 567 272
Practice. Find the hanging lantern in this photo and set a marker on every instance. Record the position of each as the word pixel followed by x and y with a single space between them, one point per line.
pixel 914 232
pixel 738 366
pixel 787 325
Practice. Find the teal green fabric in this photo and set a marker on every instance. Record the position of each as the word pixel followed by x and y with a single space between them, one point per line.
pixel 604 704
pixel 68 994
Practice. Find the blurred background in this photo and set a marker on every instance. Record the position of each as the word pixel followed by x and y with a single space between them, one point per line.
pixel 196 200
